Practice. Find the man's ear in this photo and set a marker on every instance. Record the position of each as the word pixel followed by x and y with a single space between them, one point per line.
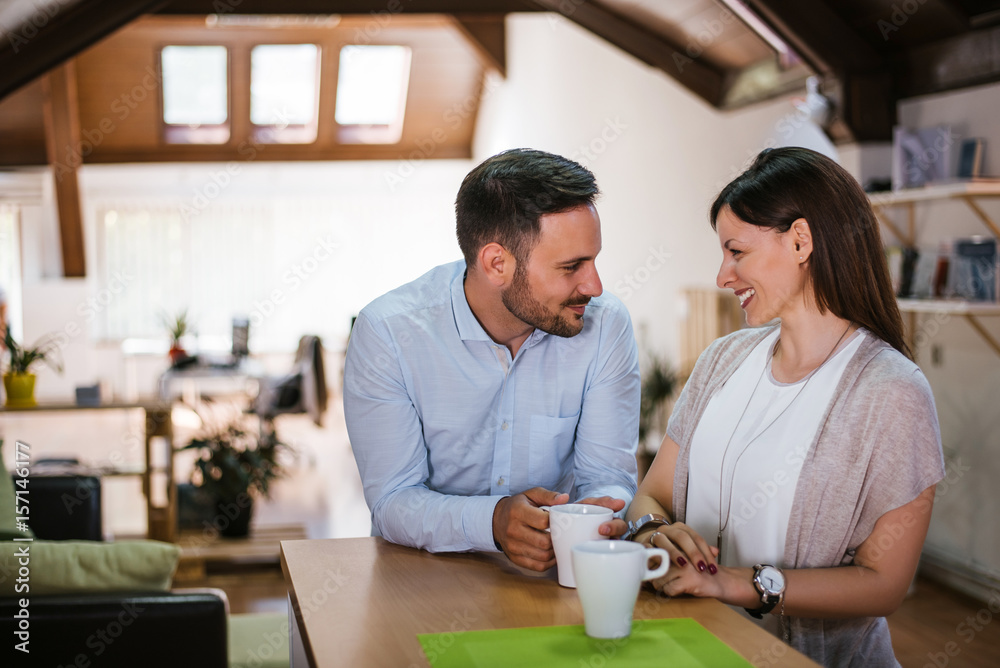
pixel 497 264
pixel 800 240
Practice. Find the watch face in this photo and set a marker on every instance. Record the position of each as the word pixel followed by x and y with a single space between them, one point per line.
pixel 772 579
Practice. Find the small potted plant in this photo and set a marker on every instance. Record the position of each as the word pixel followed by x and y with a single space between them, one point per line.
pixel 236 463
pixel 178 326
pixel 659 381
pixel 18 380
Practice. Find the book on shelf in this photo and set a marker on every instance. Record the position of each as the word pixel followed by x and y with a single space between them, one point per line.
pixel 970 158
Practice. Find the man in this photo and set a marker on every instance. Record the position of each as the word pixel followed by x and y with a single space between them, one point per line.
pixel 491 386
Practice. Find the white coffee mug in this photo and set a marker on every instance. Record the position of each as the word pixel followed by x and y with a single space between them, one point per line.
pixel 569 525
pixel 608 576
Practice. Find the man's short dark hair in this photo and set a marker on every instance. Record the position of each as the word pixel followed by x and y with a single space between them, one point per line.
pixel 503 199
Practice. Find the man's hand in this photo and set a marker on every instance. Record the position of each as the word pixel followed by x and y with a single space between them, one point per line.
pixel 519 527
pixel 613 528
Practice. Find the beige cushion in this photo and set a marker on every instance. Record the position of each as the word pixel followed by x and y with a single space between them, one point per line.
pixel 258 640
pixel 69 567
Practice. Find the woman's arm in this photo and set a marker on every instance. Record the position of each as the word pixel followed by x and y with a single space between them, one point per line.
pixel 873 586
pixel 656 495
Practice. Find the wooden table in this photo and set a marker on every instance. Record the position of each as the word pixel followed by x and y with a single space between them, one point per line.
pixel 362 602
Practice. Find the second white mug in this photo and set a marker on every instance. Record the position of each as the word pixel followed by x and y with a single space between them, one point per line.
pixel 608 576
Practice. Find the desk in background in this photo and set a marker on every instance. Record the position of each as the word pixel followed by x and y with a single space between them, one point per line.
pixel 197 379
pixel 362 602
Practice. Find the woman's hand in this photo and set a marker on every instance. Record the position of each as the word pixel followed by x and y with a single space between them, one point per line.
pixel 685 547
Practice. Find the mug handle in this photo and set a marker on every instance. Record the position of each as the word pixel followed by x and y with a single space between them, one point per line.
pixel 546 509
pixel 664 563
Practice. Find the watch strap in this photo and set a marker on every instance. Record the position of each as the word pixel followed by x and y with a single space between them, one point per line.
pixel 769 601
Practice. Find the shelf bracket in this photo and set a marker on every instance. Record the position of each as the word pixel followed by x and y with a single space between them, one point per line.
pixel 983 216
pixel 976 325
pixel 906 240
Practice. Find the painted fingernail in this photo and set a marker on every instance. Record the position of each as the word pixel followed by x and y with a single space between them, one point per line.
pixel 712 569
pixel 681 561
pixel 701 566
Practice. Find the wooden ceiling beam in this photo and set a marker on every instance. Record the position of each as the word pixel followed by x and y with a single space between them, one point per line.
pixel 63 146
pixel 488 36
pixel 326 7
pixel 696 75
pixel 55 33
pixel 818 34
pixel 968 60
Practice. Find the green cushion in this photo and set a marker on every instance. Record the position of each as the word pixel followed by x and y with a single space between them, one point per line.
pixel 8 520
pixel 258 640
pixel 70 567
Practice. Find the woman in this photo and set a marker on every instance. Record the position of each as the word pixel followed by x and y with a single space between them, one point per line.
pixel 799 464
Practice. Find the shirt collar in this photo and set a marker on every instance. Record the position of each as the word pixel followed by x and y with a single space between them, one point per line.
pixel 469 328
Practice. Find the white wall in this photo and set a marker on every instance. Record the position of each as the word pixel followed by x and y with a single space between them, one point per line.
pixel 387 231
pixel 660 155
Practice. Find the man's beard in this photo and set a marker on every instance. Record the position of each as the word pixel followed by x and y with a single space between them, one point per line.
pixel 519 301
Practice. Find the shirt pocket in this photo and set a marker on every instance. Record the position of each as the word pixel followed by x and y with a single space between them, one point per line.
pixel 550 450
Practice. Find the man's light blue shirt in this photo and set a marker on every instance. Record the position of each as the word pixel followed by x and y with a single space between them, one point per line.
pixel 443 423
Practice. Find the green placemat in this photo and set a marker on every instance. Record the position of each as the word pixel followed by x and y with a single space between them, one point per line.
pixel 678 643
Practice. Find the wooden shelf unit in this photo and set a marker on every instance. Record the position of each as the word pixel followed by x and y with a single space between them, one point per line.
pixel 965 191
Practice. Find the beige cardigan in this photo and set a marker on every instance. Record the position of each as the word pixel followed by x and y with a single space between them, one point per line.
pixel 877 448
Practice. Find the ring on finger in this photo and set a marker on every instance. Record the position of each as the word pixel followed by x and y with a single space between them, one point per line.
pixel 652 538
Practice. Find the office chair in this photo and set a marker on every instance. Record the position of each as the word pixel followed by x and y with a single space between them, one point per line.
pixel 302 390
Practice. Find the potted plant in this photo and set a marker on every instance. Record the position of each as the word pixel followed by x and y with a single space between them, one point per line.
pixel 18 381
pixel 178 326
pixel 235 464
pixel 659 381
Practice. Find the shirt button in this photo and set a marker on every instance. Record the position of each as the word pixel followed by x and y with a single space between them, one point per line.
pixel 504 426
pixel 500 481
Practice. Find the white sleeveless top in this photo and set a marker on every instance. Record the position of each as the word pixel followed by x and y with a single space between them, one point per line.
pixel 756 478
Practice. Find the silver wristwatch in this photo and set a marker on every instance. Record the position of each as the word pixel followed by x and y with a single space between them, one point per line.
pixel 645 522
pixel 769 581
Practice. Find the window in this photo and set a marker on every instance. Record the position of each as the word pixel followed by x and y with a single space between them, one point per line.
pixel 160 260
pixel 284 87
pixel 10 268
pixel 371 94
pixel 195 94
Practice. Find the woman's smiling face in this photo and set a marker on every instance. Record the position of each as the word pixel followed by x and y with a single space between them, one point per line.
pixel 761 266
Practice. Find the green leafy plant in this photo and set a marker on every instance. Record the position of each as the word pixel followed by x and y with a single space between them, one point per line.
pixel 22 359
pixel 177 325
pixel 659 381
pixel 234 459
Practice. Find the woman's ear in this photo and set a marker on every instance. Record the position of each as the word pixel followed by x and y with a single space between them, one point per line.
pixel 800 240
pixel 496 264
